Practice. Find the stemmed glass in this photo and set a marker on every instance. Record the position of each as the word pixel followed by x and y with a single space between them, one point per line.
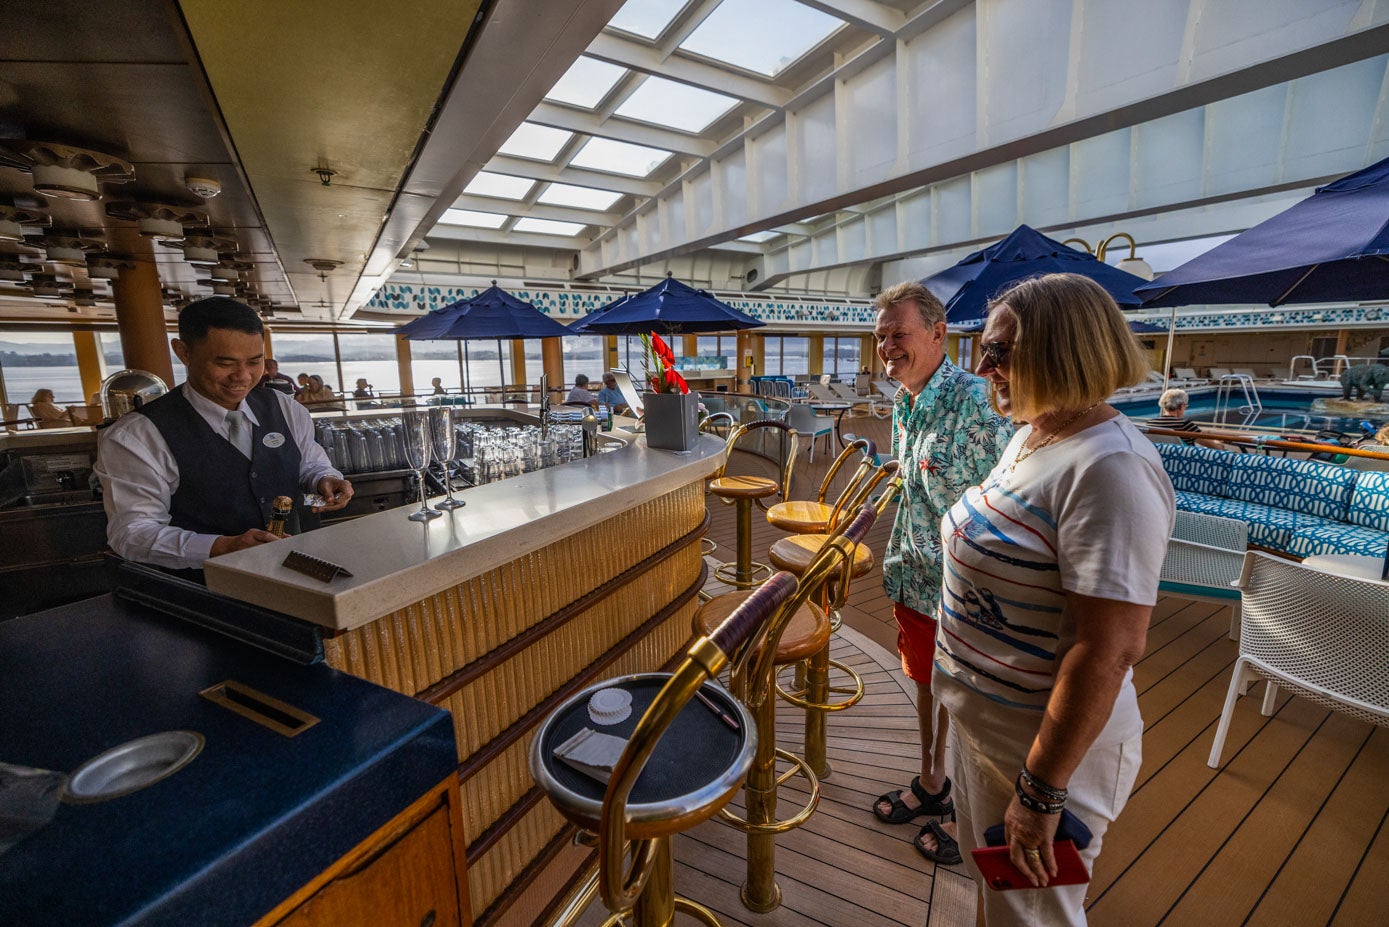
pixel 445 449
pixel 418 446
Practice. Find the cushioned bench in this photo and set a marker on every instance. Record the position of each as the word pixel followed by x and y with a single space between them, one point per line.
pixel 1296 507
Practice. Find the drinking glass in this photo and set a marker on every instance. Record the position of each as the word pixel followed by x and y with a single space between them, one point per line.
pixel 418 445
pixel 445 448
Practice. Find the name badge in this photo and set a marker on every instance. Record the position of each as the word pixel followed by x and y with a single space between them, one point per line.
pixel 274 439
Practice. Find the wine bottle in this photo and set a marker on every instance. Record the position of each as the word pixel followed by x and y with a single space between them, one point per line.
pixel 279 511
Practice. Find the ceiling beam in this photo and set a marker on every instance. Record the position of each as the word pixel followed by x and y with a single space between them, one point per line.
pixel 624 130
pixel 639 57
pixel 537 210
pixel 864 14
pixel 579 176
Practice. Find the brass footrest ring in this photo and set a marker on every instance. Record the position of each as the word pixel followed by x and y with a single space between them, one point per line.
pixel 856 689
pixel 698 911
pixel 707 545
pixel 799 768
pixel 728 573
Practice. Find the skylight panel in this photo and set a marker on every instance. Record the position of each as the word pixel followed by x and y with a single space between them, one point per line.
pixel 548 227
pixel 469 217
pixel 679 106
pixel 563 194
pixel 586 83
pixel 760 35
pixel 759 237
pixel 646 18
pixel 605 154
pixel 505 186
pixel 537 142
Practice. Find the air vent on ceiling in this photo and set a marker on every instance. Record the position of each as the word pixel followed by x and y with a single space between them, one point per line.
pixel 62 171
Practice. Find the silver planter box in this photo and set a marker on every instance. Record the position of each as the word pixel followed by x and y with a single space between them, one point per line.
pixel 672 420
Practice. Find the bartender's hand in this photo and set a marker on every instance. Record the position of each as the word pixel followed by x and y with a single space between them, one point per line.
pixel 336 493
pixel 234 542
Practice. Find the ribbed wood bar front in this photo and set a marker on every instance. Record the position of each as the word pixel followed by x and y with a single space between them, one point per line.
pixel 541 585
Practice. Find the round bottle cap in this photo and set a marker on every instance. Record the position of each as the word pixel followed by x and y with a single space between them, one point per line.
pixel 609 706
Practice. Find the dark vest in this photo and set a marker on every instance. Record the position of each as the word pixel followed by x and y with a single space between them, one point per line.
pixel 219 490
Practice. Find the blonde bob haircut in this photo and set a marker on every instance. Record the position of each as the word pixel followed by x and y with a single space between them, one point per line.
pixel 1072 347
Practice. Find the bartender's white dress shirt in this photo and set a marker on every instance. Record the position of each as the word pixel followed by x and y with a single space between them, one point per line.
pixel 139 477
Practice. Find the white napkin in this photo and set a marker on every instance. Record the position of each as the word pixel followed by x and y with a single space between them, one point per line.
pixel 592 753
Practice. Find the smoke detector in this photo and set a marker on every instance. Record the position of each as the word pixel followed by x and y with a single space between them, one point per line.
pixel 13 219
pixel 64 172
pixel 158 220
pixel 203 187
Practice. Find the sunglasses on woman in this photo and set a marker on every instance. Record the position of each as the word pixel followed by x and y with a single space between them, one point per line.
pixel 997 352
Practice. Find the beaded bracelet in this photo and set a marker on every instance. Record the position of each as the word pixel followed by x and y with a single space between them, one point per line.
pixel 1049 792
pixel 1036 805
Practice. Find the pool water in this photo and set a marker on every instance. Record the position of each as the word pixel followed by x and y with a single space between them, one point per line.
pixel 1283 409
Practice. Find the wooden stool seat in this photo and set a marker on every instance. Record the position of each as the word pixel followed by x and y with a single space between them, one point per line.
pixel 795 553
pixel 743 487
pixel 806 633
pixel 801 517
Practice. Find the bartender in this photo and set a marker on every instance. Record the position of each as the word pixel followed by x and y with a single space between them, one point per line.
pixel 191 475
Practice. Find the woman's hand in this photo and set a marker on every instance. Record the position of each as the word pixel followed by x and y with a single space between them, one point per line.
pixel 1030 836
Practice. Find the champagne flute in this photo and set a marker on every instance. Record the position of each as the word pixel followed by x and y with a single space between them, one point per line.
pixel 445 449
pixel 417 454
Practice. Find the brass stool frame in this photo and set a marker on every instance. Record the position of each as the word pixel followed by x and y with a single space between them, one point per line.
pixel 646 889
pixel 752 679
pixel 865 467
pixel 815 695
pixel 745 572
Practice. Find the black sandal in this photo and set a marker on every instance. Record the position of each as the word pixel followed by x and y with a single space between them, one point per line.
pixel 947 851
pixel 937 804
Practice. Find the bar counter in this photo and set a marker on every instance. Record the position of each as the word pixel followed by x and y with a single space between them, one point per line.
pixel 498 611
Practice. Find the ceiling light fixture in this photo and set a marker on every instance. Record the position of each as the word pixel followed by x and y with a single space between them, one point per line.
pixel 48 286
pixel 64 172
pixel 13 271
pixel 203 247
pixel 106 267
pixel 69 249
pixel 14 218
pixel 159 220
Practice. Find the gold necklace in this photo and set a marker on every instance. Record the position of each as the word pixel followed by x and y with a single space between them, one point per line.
pixel 1025 452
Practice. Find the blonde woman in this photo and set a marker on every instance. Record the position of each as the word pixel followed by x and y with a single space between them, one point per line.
pixel 46 412
pixel 1051 575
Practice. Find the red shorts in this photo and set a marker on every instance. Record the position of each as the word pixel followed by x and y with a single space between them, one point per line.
pixel 916 642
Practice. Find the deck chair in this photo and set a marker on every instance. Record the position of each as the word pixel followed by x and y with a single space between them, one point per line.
pixel 1187 375
pixel 1205 557
pixel 887 388
pixel 822 393
pixel 1321 636
pixel 806 424
pixel 1245 372
pixel 1215 373
pixel 1369 463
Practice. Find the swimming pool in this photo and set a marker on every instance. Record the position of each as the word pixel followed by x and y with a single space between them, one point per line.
pixel 1288 409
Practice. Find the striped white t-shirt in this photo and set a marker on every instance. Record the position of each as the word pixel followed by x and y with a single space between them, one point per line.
pixel 1090 514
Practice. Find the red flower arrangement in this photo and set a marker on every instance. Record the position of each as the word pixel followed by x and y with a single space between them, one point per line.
pixel 660 366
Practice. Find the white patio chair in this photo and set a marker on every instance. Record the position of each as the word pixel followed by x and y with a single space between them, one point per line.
pixel 1205 557
pixel 806 424
pixel 1321 636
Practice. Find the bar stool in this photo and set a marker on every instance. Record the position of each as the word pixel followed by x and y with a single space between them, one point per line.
pixel 743 491
pixel 813 516
pixel 721 424
pixel 699 757
pixel 794 554
pixel 798 630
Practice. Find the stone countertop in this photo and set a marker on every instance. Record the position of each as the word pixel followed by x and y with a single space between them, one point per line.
pixel 253 817
pixel 395 561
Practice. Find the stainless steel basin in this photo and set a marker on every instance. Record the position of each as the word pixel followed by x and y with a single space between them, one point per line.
pixel 133 765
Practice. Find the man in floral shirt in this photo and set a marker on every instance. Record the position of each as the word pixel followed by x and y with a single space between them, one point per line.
pixel 947 438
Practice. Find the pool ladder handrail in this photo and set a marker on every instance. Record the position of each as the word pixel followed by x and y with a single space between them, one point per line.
pixel 1225 388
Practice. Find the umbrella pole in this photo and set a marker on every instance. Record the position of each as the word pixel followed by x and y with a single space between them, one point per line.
pixel 462 380
pixel 1171 336
pixel 468 369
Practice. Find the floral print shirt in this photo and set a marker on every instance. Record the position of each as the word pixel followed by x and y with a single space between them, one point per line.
pixel 947 439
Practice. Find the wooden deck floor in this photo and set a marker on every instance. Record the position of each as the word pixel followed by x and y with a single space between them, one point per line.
pixel 1290 831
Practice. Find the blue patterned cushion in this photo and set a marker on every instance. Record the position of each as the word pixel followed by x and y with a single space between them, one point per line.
pixel 1268 526
pixel 1369 503
pixel 1309 487
pixel 1339 539
pixel 1196 469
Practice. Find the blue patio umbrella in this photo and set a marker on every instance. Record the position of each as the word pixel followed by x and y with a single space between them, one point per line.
pixel 967 287
pixel 668 308
pixel 493 313
pixel 1332 246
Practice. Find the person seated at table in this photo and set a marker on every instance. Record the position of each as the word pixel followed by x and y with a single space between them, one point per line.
pixel 364 390
pixel 580 394
pixel 611 396
pixel 318 396
pixel 46 412
pixel 438 385
pixel 303 379
pixel 273 379
pixel 1173 405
